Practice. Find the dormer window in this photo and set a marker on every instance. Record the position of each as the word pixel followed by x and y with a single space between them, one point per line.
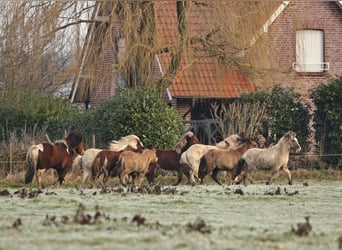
pixel 310 52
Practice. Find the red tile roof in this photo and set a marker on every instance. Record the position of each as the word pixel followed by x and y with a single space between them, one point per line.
pixel 200 75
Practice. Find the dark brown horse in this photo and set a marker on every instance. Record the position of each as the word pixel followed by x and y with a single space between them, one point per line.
pixel 59 156
pixel 216 160
pixel 169 159
pixel 105 163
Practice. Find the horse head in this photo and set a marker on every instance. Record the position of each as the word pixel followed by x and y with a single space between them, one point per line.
pixel 232 141
pixel 290 136
pixel 187 140
pixel 75 142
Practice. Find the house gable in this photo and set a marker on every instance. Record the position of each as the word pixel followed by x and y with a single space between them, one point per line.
pixel 325 16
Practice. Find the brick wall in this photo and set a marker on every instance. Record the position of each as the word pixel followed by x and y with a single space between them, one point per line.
pixel 322 15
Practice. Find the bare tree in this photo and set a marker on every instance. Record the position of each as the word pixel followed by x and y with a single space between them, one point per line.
pixel 39 41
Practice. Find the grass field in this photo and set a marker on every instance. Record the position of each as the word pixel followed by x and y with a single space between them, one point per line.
pixel 166 217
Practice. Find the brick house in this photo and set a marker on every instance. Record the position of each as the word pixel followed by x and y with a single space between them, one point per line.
pixel 305 44
pixel 200 77
pixel 304 50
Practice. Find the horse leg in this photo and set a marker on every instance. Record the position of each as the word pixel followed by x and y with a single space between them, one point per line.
pixel 273 176
pixel 61 175
pixel 186 170
pixel 123 177
pixel 202 175
pixel 289 177
pixel 180 177
pixel 152 169
pixel 214 176
pixel 139 179
pixel 39 174
pixel 85 177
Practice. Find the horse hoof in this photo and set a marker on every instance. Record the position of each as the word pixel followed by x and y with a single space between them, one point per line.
pixel 268 183
pixel 290 182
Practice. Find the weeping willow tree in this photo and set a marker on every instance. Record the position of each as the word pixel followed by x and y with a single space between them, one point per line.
pixel 41 41
pixel 230 36
pixel 38 43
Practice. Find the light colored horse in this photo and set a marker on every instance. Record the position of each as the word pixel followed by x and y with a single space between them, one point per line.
pixel 275 158
pixel 135 163
pixel 191 158
pixel 90 154
pixel 216 160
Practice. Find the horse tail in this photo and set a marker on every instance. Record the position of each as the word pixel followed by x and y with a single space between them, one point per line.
pixel 202 166
pixel 95 167
pixel 238 169
pixel 31 163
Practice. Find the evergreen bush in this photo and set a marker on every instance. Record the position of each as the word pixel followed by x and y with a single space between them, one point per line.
pixel 328 120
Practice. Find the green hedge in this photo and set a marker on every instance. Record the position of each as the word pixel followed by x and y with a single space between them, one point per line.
pixel 285 110
pixel 328 120
pixel 139 111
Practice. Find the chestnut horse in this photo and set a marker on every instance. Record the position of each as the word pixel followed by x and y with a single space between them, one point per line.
pixel 135 163
pixel 58 156
pixel 191 158
pixel 168 159
pixel 105 163
pixel 90 154
pixel 275 158
pixel 216 160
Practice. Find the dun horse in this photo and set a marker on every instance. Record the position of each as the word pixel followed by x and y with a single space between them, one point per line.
pixel 58 156
pixel 275 158
pixel 168 159
pixel 135 163
pixel 105 163
pixel 216 160
pixel 191 158
pixel 90 154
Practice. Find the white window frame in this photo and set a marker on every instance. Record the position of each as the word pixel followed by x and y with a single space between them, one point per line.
pixel 310 52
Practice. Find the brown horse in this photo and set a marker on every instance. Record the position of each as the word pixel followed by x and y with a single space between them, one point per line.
pixel 105 163
pixel 135 163
pixel 168 159
pixel 59 156
pixel 216 160
pixel 115 145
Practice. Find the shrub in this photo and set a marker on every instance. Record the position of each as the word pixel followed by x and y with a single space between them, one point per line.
pixel 24 112
pixel 328 119
pixel 139 111
pixel 285 110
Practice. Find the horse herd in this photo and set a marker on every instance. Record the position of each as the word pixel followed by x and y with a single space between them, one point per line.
pixel 131 161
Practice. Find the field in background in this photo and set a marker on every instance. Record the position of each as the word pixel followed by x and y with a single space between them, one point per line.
pixel 167 217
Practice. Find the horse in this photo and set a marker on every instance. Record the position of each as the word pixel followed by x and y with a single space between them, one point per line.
pixel 168 159
pixel 216 160
pixel 191 158
pixel 90 154
pixel 105 163
pixel 275 158
pixel 58 156
pixel 134 162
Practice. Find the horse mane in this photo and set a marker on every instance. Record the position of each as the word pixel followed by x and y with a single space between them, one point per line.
pixel 62 142
pixel 236 137
pixel 288 135
pixel 182 142
pixel 74 138
pixel 132 140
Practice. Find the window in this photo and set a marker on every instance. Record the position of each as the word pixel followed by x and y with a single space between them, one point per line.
pixel 309 51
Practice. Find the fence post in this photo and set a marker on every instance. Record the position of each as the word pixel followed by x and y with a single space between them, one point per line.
pixel 11 158
pixel 93 140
